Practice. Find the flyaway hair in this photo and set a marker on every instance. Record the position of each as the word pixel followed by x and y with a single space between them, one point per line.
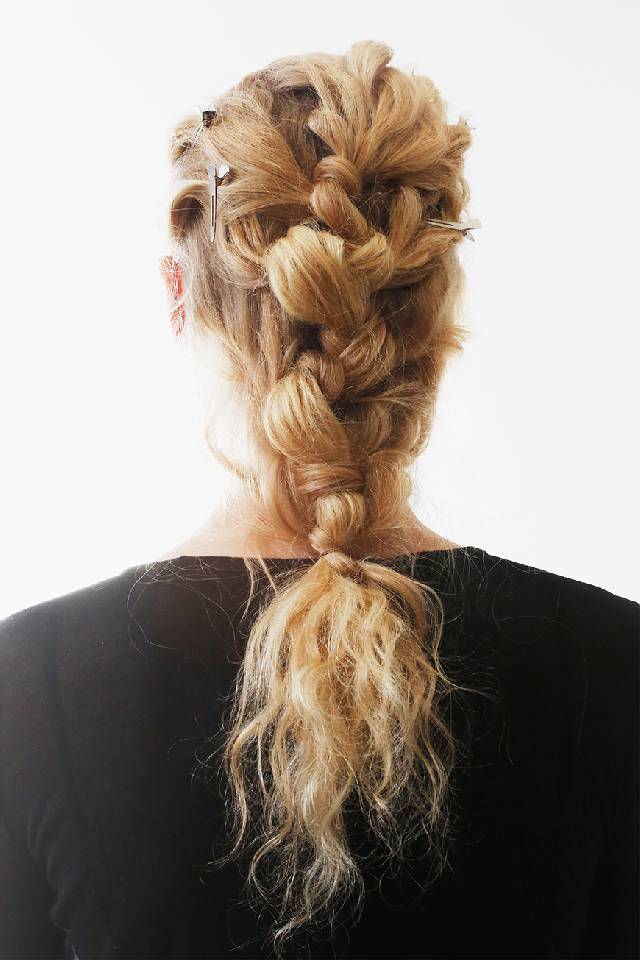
pixel 336 306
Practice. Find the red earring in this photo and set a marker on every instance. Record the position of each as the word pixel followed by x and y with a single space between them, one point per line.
pixel 179 314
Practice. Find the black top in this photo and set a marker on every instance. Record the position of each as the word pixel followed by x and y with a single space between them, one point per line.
pixel 108 694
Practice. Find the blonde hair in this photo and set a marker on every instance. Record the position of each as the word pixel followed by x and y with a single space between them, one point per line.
pixel 336 306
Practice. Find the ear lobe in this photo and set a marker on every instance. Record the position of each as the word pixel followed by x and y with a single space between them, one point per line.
pixel 172 275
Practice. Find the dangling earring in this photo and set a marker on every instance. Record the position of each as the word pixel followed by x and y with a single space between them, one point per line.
pixel 173 276
pixel 178 314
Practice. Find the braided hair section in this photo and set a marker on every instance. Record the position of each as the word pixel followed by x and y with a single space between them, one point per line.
pixel 336 305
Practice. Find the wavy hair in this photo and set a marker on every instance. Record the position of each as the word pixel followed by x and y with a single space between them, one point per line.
pixel 336 307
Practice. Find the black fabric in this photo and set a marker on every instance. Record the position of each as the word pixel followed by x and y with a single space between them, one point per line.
pixel 111 696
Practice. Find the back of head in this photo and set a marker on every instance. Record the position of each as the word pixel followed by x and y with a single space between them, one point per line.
pixel 335 304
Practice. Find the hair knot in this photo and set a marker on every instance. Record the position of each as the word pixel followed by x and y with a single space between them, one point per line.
pixel 341 169
pixel 345 565
pixel 336 181
pixel 328 370
pixel 311 278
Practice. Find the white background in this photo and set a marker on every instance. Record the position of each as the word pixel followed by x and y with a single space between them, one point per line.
pixel 534 453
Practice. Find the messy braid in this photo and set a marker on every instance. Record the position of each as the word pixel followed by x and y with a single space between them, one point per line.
pixel 335 304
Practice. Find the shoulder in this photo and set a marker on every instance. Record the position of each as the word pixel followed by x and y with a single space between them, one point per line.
pixel 597 615
pixel 551 632
pixel 27 634
pixel 529 603
pixel 572 645
pixel 531 590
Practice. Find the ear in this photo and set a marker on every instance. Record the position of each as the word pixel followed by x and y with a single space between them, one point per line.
pixel 172 276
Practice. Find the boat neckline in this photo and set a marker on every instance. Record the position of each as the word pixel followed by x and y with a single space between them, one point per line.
pixel 374 558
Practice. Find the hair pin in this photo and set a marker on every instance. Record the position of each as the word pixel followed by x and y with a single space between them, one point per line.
pixel 206 119
pixel 216 176
pixel 457 225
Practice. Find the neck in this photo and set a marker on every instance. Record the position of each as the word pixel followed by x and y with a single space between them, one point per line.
pixel 239 530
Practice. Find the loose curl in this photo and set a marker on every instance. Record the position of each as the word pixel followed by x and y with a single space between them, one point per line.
pixel 335 304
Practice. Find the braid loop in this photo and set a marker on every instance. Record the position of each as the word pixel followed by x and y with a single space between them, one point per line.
pixel 330 280
pixel 309 274
pixel 374 260
pixel 368 359
pixel 338 515
pixel 336 181
pixel 341 169
pixel 327 368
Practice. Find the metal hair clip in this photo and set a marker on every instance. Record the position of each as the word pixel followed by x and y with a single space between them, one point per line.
pixel 206 119
pixel 453 225
pixel 216 176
